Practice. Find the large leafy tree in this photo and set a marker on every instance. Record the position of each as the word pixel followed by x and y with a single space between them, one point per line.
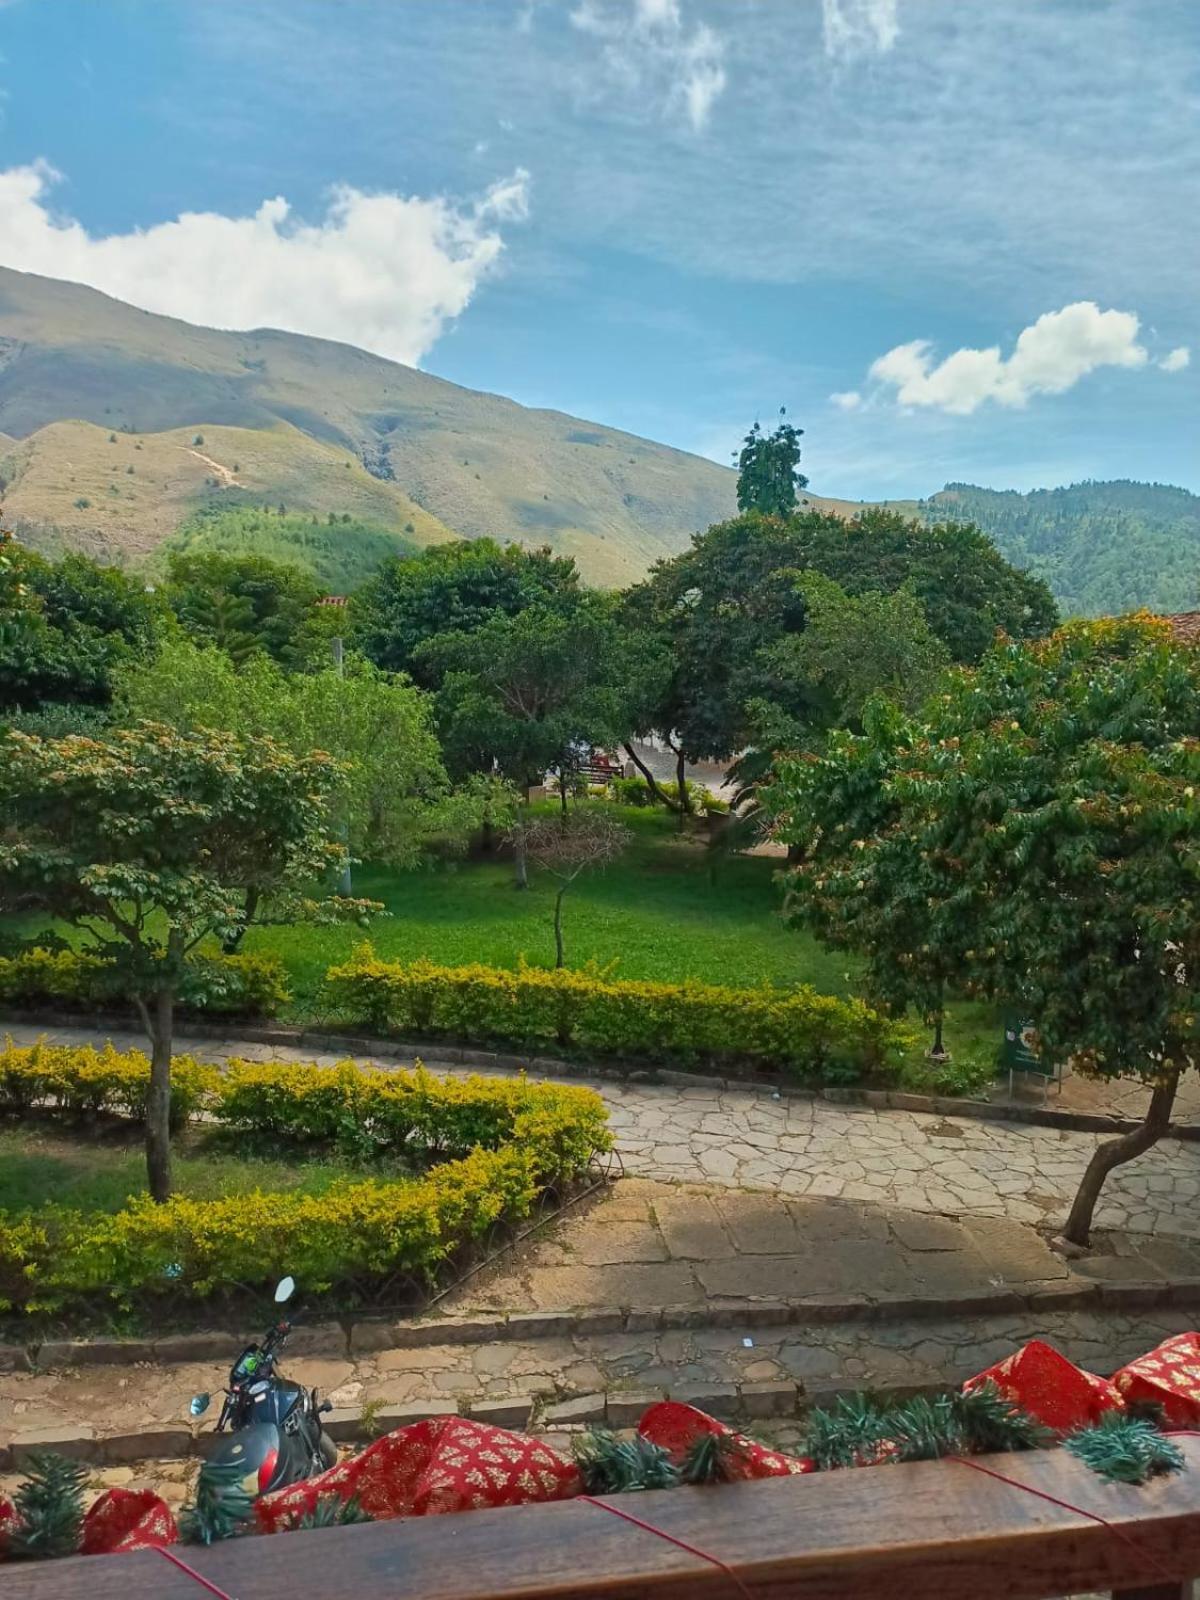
pixel 452 588
pixel 768 469
pixel 248 604
pixel 1044 808
pixel 392 791
pixel 65 626
pixel 151 840
pixel 523 694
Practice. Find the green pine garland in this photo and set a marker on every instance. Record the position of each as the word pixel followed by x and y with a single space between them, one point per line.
pixel 49 1509
pixel 1125 1449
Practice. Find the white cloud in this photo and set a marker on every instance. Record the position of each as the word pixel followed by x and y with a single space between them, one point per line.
pixel 648 48
pixel 1175 360
pixel 847 400
pixel 859 27
pixel 1051 355
pixel 383 271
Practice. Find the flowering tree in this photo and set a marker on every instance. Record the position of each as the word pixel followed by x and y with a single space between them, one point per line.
pixel 1033 838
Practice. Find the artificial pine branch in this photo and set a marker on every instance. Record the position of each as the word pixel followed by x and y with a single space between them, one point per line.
pixel 1124 1449
pixel 610 1465
pixel 222 1505
pixel 49 1509
pixel 331 1511
pixel 711 1458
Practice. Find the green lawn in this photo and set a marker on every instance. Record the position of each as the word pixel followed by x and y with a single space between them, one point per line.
pixel 41 1165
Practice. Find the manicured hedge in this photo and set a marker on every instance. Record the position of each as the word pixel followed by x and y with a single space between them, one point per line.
pixel 213 985
pixel 815 1036
pixel 515 1139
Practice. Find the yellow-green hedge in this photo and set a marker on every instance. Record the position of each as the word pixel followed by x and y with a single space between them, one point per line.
pixel 817 1037
pixel 213 985
pixel 515 1138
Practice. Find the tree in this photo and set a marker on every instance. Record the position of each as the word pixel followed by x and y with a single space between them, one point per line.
pixel 521 693
pixel 391 788
pixel 767 470
pixel 451 588
pixel 247 603
pixel 150 841
pixel 1045 807
pixel 567 846
pixel 65 626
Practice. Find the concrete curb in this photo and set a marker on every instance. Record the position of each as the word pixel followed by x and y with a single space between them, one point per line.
pixel 615 1408
pixel 348 1339
pixel 646 1072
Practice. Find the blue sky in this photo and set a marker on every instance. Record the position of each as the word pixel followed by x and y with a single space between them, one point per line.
pixel 958 239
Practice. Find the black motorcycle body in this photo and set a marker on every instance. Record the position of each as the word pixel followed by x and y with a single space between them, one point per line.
pixel 271 1427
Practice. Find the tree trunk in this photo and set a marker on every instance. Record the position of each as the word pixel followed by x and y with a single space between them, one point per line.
pixel 1114 1153
pixel 233 943
pixel 663 798
pixel 558 933
pixel 161 1027
pixel 520 865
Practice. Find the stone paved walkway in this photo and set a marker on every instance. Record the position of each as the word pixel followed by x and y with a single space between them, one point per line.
pixel 747 1138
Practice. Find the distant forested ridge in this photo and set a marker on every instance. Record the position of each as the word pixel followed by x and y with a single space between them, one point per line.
pixel 1103 548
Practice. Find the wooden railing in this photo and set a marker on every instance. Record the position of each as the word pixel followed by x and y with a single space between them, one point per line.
pixel 930 1531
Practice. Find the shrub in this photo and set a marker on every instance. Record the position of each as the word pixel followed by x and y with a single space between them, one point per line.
pixel 215 985
pixel 512 1139
pixel 813 1035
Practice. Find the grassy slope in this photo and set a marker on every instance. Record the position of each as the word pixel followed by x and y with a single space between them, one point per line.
pixel 129 514
pixel 477 463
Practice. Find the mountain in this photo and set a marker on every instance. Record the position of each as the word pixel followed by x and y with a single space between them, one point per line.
pixel 91 388
pixel 1102 547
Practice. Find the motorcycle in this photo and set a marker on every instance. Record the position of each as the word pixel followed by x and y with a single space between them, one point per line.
pixel 273 1425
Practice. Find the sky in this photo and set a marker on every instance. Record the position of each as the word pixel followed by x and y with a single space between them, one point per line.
pixel 958 239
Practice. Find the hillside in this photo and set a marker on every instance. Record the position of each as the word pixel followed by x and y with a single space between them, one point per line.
pixel 317 425
pixel 1102 547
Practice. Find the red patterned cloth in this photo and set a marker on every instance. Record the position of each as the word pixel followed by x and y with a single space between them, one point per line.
pixel 675 1427
pixel 1051 1389
pixel 446 1464
pixel 1169 1376
pixel 127 1519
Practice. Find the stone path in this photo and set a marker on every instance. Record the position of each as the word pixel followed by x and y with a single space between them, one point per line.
pixel 797 1147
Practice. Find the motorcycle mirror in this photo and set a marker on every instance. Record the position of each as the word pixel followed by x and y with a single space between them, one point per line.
pixel 199 1404
pixel 284 1290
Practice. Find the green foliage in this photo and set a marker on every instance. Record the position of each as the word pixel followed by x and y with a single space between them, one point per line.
pixel 1125 1449
pixel 1103 548
pixel 609 1464
pixel 391 785
pixel 210 985
pixel 768 475
pixel 246 604
pixel 65 626
pixel 49 1509
pixel 814 1036
pixel 859 1431
pixel 221 1507
pixel 455 589
pixel 509 1140
pixel 340 553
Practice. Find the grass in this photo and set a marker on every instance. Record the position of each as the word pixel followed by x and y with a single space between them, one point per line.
pixel 43 1165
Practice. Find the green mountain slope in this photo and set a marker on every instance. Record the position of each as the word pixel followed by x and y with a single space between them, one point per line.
pixel 473 463
pixel 1102 547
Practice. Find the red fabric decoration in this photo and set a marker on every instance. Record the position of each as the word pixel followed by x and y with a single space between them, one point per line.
pixel 127 1519
pixel 8 1521
pixel 1169 1376
pixel 675 1427
pixel 446 1464
pixel 1050 1388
